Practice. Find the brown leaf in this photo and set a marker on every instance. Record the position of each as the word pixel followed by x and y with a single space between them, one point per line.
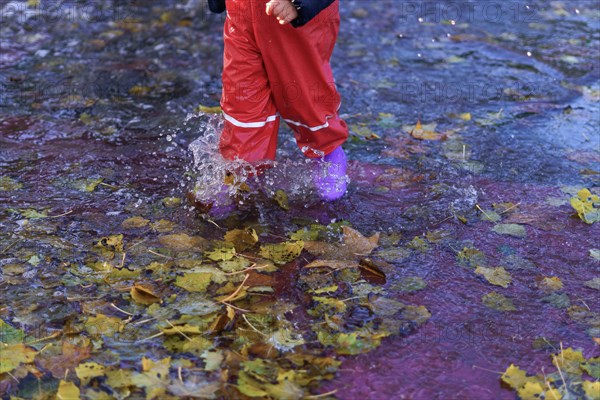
pixel 355 242
pixel 69 358
pixel 144 295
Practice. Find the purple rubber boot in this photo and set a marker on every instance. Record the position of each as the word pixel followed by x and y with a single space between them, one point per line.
pixel 330 175
pixel 223 203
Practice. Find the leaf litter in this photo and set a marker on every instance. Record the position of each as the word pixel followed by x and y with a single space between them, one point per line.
pixel 208 306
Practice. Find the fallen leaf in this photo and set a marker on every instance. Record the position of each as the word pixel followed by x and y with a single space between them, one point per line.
pixel 424 132
pixel 496 276
pixel 356 243
pixel 242 239
pixel 593 283
pixel 144 295
pixel 281 198
pixel 134 222
pixel 498 302
pixel 515 230
pixel 13 355
pixel 67 391
pixel 194 281
pixel 282 253
pixel 86 371
pixel 550 284
pixel 7 184
pixel 182 242
pixel 587 206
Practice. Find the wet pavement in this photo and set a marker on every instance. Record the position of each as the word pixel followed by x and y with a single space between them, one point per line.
pixel 96 103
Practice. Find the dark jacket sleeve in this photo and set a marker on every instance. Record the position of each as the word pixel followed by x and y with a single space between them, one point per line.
pixel 216 6
pixel 308 9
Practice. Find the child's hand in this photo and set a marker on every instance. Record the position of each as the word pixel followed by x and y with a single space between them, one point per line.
pixel 283 10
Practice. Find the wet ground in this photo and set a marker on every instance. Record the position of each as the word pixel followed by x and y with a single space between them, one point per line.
pixel 93 132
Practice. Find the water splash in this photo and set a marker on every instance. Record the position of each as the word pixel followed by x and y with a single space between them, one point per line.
pixel 293 173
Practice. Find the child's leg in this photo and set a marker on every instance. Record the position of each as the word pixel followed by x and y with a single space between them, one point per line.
pixel 251 120
pixel 297 64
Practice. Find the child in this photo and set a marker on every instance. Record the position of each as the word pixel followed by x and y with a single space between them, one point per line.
pixel 276 66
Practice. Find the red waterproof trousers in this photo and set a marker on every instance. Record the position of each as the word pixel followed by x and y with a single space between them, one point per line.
pixel 274 71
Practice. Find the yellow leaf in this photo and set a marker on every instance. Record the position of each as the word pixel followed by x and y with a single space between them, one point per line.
pixel 182 242
pixel 163 226
pixel 424 132
pixel 11 356
pixel 496 276
pixel 209 110
pixel 531 391
pixel 569 360
pixel 89 370
pixel 281 198
pixel 67 391
pixel 498 302
pixel 242 239
pixel 221 254
pixel 587 206
pixel 194 281
pixel 282 253
pixel 552 284
pixel 591 390
pixel 143 295
pixel 516 377
pixel 134 222
pixel 103 325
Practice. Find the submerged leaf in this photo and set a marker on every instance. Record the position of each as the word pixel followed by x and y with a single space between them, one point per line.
pixel 242 239
pixel 498 302
pixel 7 184
pixel 282 253
pixel 551 284
pixel 496 276
pixel 593 283
pixel 144 295
pixel 515 230
pixel 194 281
pixel 135 222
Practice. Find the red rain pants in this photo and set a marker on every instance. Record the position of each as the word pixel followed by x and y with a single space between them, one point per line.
pixel 274 71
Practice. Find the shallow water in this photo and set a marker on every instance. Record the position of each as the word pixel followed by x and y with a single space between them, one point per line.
pixel 88 97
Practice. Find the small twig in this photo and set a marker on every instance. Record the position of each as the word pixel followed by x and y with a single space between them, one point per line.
pixel 179 374
pixel 136 244
pixel 12 376
pixel 158 254
pixel 10 245
pixel 318 396
pixel 144 321
pixel 60 215
pixel 109 185
pixel 237 308
pixel 232 295
pixel 179 331
pixel 123 311
pixel 123 261
pixel 511 207
pixel 252 326
pixel 55 334
pixel 214 223
pixel 550 387
pixel 484 213
pixel 152 337
pixel 250 268
pixel 488 370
